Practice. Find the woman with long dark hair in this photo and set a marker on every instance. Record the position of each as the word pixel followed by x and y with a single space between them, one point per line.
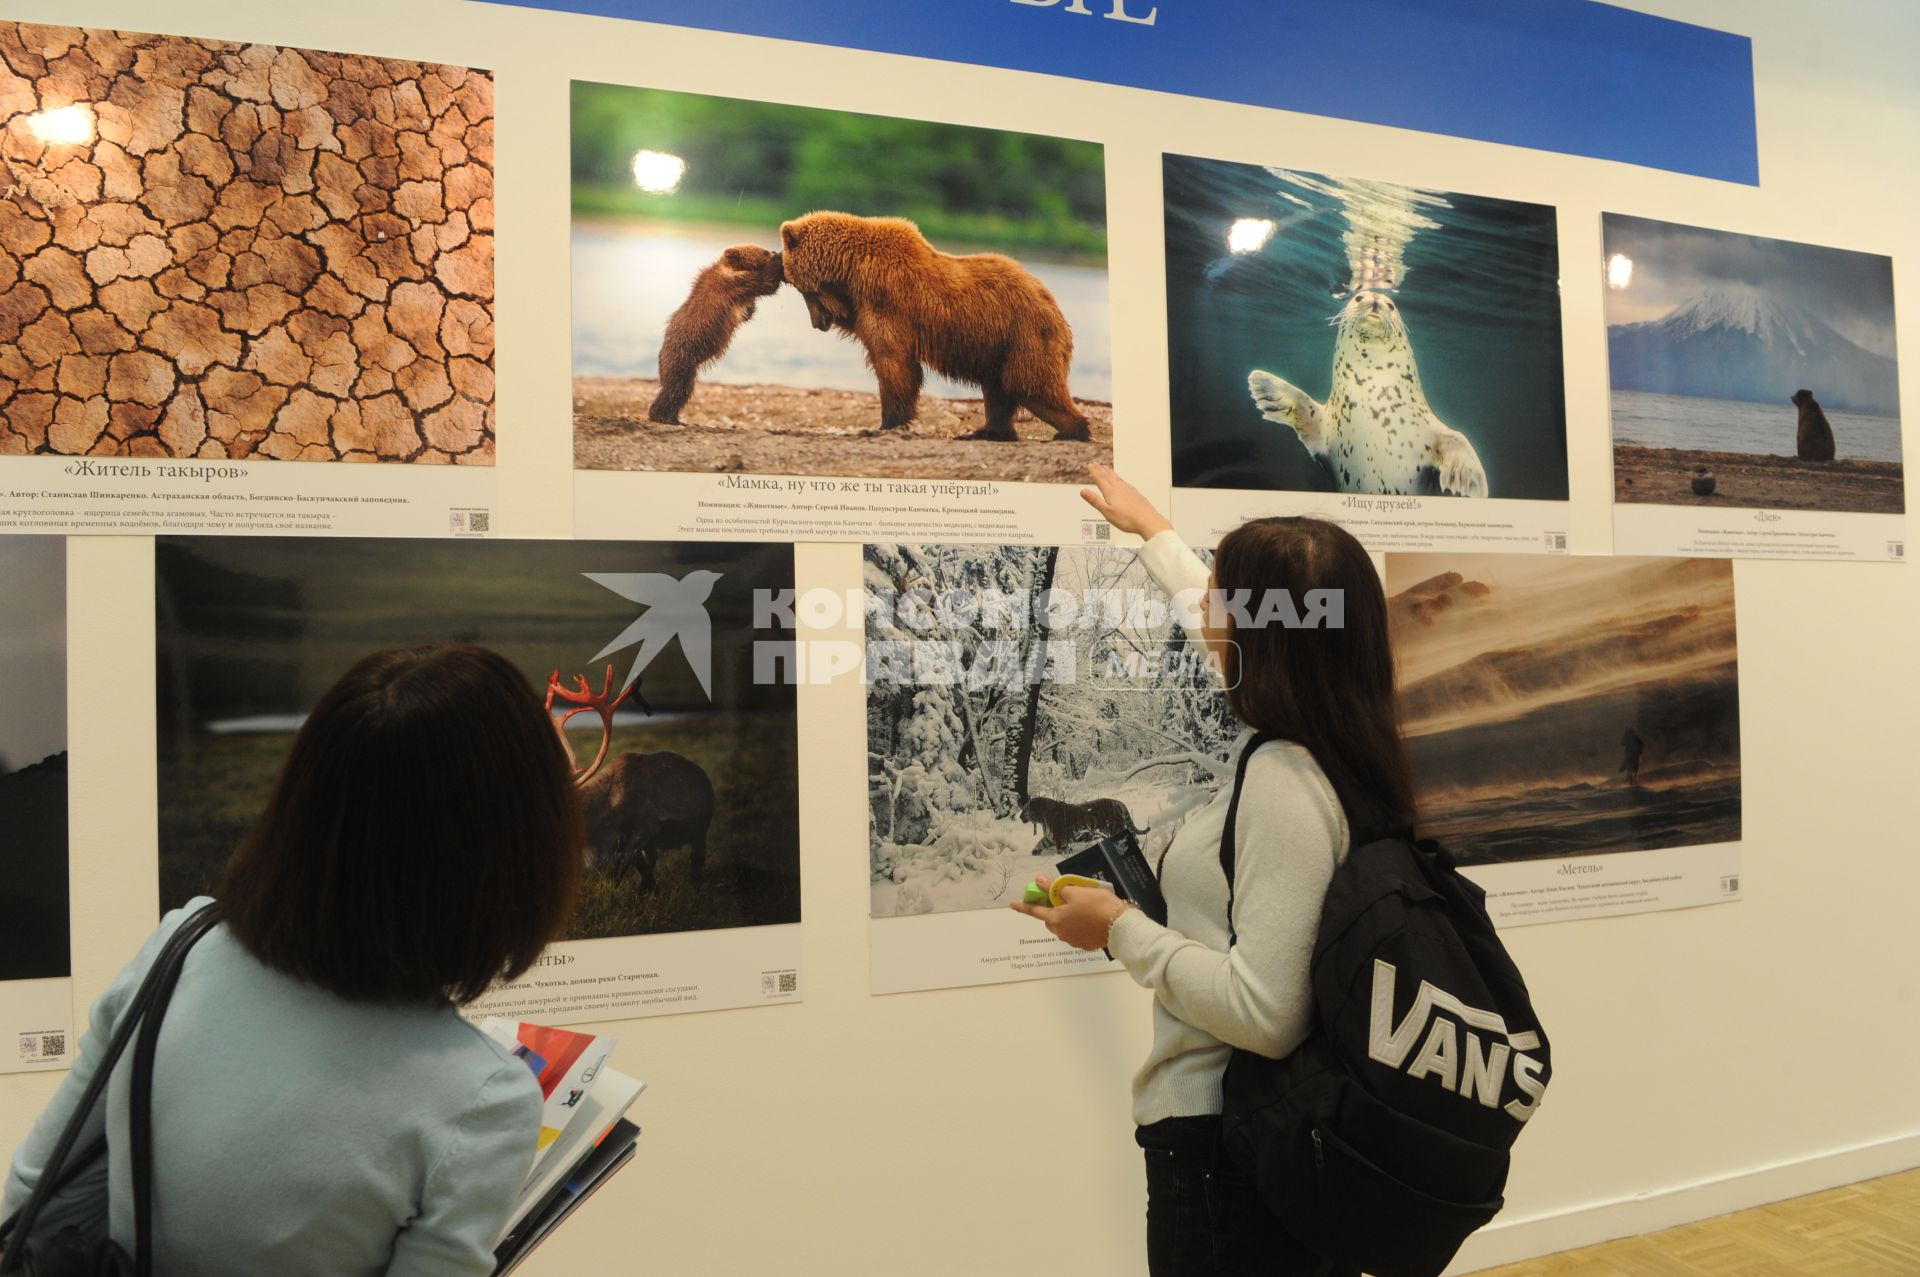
pixel 320 1107
pixel 1327 690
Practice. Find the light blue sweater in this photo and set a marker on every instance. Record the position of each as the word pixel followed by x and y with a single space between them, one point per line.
pixel 298 1133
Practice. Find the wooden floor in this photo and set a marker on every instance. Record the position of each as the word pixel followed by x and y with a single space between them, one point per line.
pixel 1863 1230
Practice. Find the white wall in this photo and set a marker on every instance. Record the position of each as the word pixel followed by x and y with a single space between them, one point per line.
pixel 1704 1060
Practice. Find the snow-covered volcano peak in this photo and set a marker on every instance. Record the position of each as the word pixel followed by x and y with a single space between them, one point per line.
pixel 1739 341
pixel 1750 310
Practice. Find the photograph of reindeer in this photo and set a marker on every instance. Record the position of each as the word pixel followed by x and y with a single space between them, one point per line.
pixel 644 652
pixel 1021 702
pixel 1558 707
pixel 34 935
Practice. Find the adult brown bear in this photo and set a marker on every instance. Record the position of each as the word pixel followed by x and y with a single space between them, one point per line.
pixel 981 318
pixel 1813 439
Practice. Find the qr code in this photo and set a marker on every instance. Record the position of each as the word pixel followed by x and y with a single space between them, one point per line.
pixel 43 1046
pixel 480 521
pixel 1556 543
pixel 1730 885
pixel 1896 549
pixel 774 983
pixel 1096 530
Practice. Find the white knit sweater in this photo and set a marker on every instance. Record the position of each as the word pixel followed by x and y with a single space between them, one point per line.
pixel 1290 833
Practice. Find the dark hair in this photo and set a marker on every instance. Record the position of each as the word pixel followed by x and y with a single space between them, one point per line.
pixel 1329 689
pixel 424 837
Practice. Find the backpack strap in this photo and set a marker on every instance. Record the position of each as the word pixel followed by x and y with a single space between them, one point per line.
pixel 149 1004
pixel 140 1121
pixel 1227 850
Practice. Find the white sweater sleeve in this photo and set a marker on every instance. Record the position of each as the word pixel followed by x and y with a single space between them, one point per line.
pixel 1257 995
pixel 1179 572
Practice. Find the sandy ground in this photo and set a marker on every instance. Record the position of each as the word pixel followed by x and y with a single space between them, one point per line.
pixel 1663 476
pixel 780 430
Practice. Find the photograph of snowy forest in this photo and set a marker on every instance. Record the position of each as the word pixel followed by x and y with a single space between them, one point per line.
pixel 1019 698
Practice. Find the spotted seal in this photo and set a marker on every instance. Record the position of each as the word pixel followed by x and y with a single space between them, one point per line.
pixel 1375 432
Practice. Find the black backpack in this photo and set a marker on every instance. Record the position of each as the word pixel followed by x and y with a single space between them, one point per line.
pixel 1381 1142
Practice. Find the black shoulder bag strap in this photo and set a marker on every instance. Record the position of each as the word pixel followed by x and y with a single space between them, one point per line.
pixel 143 1014
pixel 1227 851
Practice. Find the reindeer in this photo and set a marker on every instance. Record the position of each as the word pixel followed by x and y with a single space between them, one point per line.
pixel 639 805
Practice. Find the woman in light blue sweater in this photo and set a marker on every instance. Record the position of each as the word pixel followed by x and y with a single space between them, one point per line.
pixel 319 1105
pixel 1329 693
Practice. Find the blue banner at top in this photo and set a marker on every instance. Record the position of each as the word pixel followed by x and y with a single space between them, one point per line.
pixel 1572 76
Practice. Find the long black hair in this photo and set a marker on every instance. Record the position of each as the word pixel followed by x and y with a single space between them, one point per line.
pixel 1327 688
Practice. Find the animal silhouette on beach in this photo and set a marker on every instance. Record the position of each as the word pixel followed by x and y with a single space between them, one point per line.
pixel 1813 438
pixel 1376 432
pixel 981 318
pixel 1632 749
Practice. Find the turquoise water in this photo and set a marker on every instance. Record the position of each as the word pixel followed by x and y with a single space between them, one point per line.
pixel 1476 279
pixel 1720 425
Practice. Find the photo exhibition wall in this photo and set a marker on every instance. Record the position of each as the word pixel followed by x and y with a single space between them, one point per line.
pixel 736 370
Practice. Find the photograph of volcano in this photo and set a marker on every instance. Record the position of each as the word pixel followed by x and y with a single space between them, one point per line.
pixel 1568 706
pixel 1750 372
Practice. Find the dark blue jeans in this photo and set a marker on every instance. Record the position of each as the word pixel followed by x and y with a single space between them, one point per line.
pixel 1204 1217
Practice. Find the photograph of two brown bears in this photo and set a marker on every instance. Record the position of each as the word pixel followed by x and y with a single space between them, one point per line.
pixel 787 290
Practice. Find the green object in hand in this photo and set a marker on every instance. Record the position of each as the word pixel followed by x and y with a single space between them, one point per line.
pixel 1035 895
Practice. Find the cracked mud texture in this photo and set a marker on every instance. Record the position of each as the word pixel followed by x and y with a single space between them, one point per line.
pixel 211 249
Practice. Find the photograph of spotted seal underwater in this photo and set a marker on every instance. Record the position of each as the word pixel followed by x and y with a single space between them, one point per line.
pixel 1337 334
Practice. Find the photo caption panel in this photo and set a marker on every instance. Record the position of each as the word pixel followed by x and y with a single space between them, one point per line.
pixel 229 273
pixel 1755 396
pixel 781 331
pixel 1573 727
pixel 1382 356
pixel 653 656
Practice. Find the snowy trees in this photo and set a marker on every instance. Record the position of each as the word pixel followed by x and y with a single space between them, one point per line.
pixel 998 673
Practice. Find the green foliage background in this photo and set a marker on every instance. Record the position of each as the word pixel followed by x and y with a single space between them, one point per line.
pixel 760 163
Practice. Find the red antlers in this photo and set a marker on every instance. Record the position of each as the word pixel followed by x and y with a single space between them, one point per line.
pixel 584 698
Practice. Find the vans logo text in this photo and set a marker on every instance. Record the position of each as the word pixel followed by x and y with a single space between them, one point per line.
pixel 1463 1068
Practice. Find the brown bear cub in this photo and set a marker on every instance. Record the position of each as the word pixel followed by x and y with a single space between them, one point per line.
pixel 982 319
pixel 699 332
pixel 1813 441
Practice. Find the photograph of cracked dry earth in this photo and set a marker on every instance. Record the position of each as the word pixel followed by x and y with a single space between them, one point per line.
pixel 211 249
pixel 666 183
